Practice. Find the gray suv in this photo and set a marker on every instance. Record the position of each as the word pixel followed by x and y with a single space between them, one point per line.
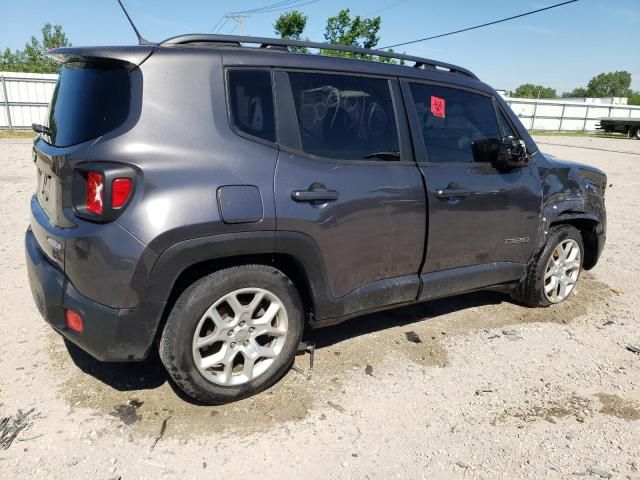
pixel 212 199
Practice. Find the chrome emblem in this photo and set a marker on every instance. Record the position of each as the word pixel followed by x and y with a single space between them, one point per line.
pixel 516 241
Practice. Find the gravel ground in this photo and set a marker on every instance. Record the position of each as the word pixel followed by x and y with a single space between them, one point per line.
pixel 493 389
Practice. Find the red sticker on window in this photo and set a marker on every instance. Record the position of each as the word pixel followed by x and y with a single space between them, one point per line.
pixel 438 107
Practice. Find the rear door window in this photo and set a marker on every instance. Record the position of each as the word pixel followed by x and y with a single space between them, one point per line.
pixel 345 117
pixel 251 103
pixel 457 125
pixel 88 101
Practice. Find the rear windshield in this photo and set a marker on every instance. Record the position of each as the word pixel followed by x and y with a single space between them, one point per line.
pixel 88 101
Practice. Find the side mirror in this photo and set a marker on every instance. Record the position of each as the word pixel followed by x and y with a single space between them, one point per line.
pixel 512 154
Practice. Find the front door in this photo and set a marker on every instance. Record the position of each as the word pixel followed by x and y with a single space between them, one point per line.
pixel 346 179
pixel 478 215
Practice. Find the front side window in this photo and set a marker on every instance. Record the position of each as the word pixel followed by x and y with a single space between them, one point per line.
pixel 507 130
pixel 457 125
pixel 251 103
pixel 345 117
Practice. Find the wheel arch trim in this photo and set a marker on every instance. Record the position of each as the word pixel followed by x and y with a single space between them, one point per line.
pixel 256 247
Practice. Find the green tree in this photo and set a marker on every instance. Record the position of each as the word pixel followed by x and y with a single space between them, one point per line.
pixel 357 32
pixel 612 84
pixel 634 98
pixel 34 57
pixel 354 32
pixel 341 29
pixel 575 93
pixel 529 90
pixel 291 25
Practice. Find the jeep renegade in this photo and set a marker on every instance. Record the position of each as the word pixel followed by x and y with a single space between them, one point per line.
pixel 210 199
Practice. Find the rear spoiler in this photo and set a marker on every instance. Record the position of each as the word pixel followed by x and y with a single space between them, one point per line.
pixel 130 56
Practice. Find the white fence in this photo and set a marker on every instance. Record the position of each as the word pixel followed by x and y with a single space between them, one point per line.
pixel 566 115
pixel 24 99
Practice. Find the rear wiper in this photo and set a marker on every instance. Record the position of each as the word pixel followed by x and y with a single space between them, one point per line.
pixel 393 155
pixel 36 127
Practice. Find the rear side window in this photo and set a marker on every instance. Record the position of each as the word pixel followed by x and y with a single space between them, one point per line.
pixel 345 117
pixel 251 103
pixel 457 125
pixel 88 101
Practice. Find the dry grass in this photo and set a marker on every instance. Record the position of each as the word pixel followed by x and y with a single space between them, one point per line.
pixel 17 134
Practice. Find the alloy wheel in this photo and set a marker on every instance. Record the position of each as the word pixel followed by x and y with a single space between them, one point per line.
pixel 563 270
pixel 239 337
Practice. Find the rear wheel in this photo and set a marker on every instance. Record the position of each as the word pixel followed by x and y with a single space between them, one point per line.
pixel 232 333
pixel 554 272
pixel 635 133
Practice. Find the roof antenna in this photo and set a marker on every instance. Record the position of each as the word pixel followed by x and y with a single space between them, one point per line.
pixel 141 39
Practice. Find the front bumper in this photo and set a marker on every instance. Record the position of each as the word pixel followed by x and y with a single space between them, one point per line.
pixel 109 334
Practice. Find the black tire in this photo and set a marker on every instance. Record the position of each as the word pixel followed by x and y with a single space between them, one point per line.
pixel 635 133
pixel 176 342
pixel 530 292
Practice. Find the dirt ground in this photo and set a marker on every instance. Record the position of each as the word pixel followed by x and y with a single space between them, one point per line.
pixel 492 390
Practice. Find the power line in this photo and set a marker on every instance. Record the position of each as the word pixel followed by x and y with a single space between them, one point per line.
pixel 391 5
pixel 479 26
pixel 240 16
pixel 281 4
pixel 385 8
pixel 217 23
pixel 226 20
pixel 288 7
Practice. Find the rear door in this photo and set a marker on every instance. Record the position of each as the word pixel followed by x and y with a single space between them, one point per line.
pixel 478 215
pixel 347 178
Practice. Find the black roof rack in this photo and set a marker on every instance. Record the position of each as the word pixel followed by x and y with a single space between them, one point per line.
pixel 283 44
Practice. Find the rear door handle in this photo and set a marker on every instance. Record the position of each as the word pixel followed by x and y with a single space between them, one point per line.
pixel 448 192
pixel 314 195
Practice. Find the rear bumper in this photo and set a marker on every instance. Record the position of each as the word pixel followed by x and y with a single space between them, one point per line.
pixel 109 334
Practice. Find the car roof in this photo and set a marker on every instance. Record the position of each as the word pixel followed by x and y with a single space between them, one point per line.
pixel 283 44
pixel 285 53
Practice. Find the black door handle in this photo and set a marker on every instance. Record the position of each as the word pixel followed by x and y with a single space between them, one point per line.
pixel 450 192
pixel 314 195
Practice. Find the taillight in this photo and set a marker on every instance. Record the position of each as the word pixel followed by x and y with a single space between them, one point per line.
pixel 120 191
pixel 100 192
pixel 95 192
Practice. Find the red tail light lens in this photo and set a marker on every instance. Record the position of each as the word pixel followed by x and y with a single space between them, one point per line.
pixel 120 191
pixel 95 192
pixel 73 321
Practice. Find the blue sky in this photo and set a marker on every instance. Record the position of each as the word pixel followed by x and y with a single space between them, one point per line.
pixel 562 48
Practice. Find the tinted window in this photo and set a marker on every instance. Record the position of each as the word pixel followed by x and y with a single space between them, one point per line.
pixel 345 117
pixel 251 102
pixel 458 126
pixel 88 101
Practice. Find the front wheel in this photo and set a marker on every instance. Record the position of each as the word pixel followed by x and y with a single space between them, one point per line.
pixel 232 333
pixel 554 272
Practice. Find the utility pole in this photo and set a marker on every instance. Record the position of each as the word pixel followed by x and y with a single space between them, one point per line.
pixel 240 19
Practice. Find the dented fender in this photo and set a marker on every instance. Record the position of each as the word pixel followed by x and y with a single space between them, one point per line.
pixel 573 193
